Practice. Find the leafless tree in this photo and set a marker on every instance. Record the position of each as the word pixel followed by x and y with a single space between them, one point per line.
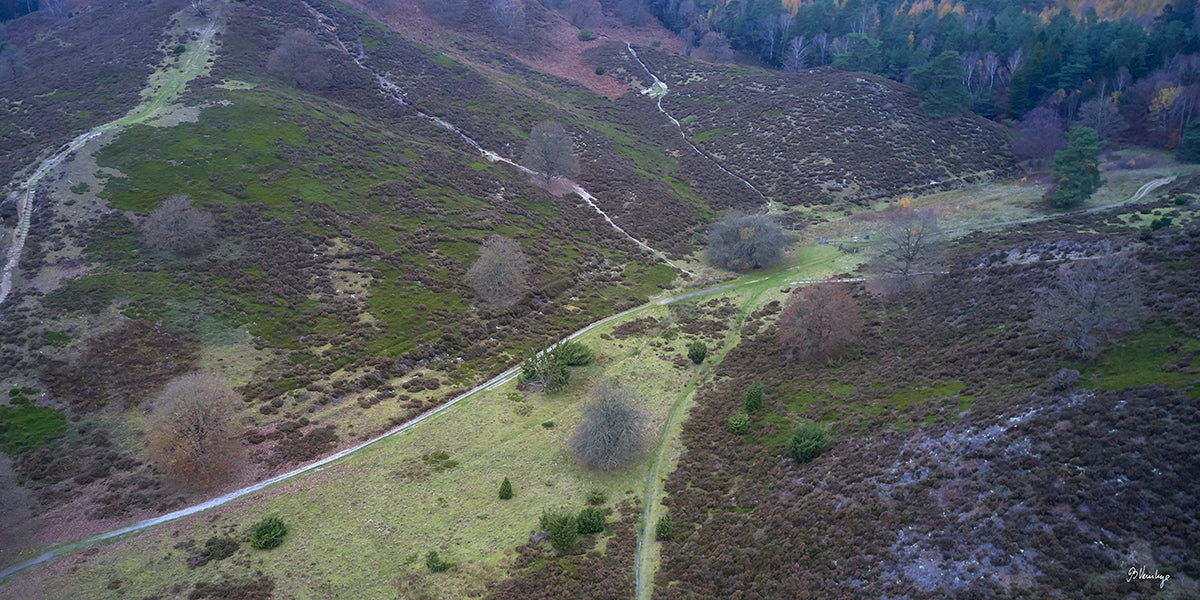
pixel 178 227
pixel 797 55
pixel 550 152
pixel 819 321
pixel 991 64
pixel 54 10
pixel 200 7
pixel 745 242
pixel 611 433
pixel 501 274
pixel 821 41
pixel 300 61
pixel 714 47
pixel 189 431
pixel 839 45
pixel 908 241
pixel 12 64
pixel 1091 302
pixel 1014 62
pixel 583 13
pixel 510 15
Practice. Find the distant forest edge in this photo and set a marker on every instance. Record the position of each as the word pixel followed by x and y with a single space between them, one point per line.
pixel 1008 57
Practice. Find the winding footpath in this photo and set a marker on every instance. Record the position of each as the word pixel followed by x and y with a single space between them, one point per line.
pixel 190 65
pixel 659 89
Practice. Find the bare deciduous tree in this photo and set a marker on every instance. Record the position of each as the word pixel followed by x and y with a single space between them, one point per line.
pixel 200 7
pixel 54 10
pixel 1091 302
pixel 189 431
pixel 744 242
pixel 909 240
pixel 12 64
pixel 300 61
pixel 178 227
pixel 549 152
pixel 501 274
pixel 611 433
pixel 796 57
pixel 819 321
pixel 583 13
pixel 510 16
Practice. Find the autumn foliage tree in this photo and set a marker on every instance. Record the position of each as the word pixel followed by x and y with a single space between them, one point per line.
pixel 189 431
pixel 178 227
pixel 501 274
pixel 550 152
pixel 819 321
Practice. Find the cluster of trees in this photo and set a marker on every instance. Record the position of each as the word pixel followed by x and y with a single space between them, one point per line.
pixel 996 58
pixel 744 242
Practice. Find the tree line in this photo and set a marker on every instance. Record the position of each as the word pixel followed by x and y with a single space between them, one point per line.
pixel 1002 58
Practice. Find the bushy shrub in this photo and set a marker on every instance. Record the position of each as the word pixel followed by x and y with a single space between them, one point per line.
pixel 590 520
pixel 739 423
pixel 808 441
pixel 435 562
pixel 1064 379
pixel 506 492
pixel 573 353
pixel 586 35
pixel 663 528
pixel 744 242
pixel 600 69
pixel 611 434
pixel 698 351
pixel 268 533
pixel 179 228
pixel 562 529
pixel 753 400
pixel 597 497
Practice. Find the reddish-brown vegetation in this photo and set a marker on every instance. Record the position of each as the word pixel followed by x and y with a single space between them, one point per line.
pixel 819 321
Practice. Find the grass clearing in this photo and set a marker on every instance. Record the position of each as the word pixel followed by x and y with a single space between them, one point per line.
pixel 1139 361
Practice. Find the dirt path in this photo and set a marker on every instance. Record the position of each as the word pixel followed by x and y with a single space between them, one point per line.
pixel 659 90
pixel 171 81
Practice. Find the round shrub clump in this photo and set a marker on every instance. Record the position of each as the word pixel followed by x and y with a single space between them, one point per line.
pixel 739 423
pixel 745 242
pixel 435 562
pixel 590 520
pixel 597 497
pixel 698 351
pixel 808 441
pixel 268 533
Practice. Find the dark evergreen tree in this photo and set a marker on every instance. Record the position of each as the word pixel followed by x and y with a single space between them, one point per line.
pixel 939 85
pixel 506 492
pixel 1189 147
pixel 1075 170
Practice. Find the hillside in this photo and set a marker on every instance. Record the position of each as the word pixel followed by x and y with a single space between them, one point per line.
pixel 821 136
pixel 349 193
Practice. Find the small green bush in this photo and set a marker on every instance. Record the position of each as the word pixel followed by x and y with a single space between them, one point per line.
pixel 597 497
pixel 505 490
pixel 599 69
pixel 548 424
pixel 663 528
pixel 268 533
pixel 739 423
pixel 753 400
pixel 586 35
pixel 179 49
pixel 1160 222
pixel 435 562
pixel 562 529
pixel 698 351
pixel 808 441
pixel 590 520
